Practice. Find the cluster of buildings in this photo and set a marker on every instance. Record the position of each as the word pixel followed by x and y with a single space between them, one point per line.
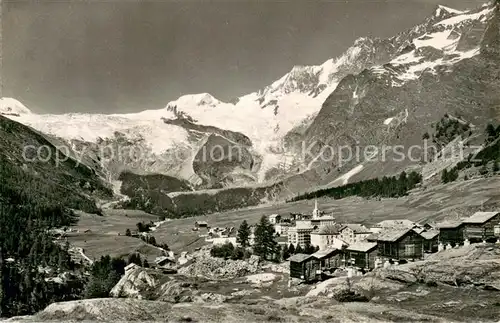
pixel 356 246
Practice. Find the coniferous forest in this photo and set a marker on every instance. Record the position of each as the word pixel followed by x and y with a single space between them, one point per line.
pixel 30 258
pixel 395 186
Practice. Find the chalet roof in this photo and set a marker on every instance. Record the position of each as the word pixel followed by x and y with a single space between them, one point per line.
pixel 396 223
pixel 325 253
pixel 330 229
pixel 272 216
pixel 357 228
pixel 299 257
pixel 429 234
pixel 362 246
pixel 481 217
pixel 392 235
pixel 201 222
pixel 449 224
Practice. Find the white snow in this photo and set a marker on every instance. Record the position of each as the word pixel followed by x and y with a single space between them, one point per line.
pixel 439 40
pixel 12 106
pixel 450 10
pixel 465 16
pixel 345 178
pixel 388 121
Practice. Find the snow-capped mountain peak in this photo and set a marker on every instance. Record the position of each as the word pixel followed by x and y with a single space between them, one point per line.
pixel 12 107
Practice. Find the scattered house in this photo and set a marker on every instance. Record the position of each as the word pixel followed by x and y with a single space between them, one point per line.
pixel 431 240
pixel 354 232
pixel 274 218
pixel 482 226
pixel 361 255
pixel 451 232
pixel 201 224
pixel 393 224
pixel 305 267
pixel 300 234
pixel 164 261
pixel 327 236
pixel 329 258
pixel 224 240
pixel 400 244
pixel 281 228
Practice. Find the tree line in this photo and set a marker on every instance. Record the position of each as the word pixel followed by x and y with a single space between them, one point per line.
pixel 395 186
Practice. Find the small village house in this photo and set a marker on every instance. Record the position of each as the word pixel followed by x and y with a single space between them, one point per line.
pixel 300 234
pixel 400 244
pixel 451 232
pixel 223 240
pixel 330 258
pixel 327 236
pixel 482 226
pixel 361 255
pixel 354 232
pixel 274 218
pixel 393 224
pixel 431 240
pixel 201 224
pixel 305 267
pixel 281 228
pixel 164 261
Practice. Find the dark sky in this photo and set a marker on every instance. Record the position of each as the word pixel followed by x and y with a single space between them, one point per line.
pixel 120 56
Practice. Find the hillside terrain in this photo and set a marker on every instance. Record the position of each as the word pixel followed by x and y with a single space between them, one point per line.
pixel 417 292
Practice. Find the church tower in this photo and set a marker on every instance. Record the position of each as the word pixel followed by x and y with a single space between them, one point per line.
pixel 316 213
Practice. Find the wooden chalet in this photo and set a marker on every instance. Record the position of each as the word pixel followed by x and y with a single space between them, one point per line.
pixel 305 267
pixel 329 258
pixel 361 255
pixel 400 244
pixel 201 224
pixel 431 240
pixel 451 232
pixel 482 226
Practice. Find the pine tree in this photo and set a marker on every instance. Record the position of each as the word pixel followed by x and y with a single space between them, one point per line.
pixel 496 167
pixel 444 176
pixel 298 249
pixel 128 233
pixel 243 234
pixel 291 249
pixel 490 132
pixel 285 254
pixel 265 245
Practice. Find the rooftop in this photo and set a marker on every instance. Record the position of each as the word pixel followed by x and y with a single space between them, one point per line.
pixel 392 235
pixel 330 229
pixel 429 234
pixel 481 217
pixel 396 223
pixel 449 224
pixel 324 253
pixel 362 246
pixel 357 228
pixel 299 257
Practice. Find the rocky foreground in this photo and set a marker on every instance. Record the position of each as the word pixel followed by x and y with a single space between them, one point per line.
pixel 458 285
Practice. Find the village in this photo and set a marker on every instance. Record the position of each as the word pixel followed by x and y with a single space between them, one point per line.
pixel 357 248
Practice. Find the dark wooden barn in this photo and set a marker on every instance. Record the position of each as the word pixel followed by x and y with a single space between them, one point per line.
pixel 305 267
pixel 431 240
pixel 482 226
pixel 361 255
pixel 451 232
pixel 400 244
pixel 329 258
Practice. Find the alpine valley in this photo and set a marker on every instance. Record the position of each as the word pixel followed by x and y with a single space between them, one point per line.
pixel 381 92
